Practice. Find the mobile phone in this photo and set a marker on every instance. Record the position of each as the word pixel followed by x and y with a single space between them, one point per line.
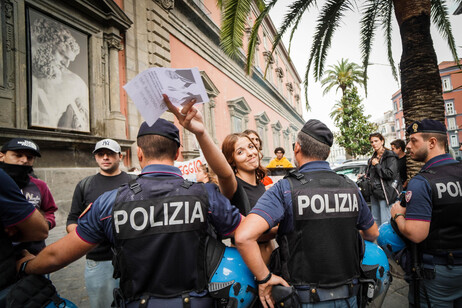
pixel 402 198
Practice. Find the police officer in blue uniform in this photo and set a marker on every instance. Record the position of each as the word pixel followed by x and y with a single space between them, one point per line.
pixel 159 226
pixel 19 221
pixel 433 217
pixel 319 214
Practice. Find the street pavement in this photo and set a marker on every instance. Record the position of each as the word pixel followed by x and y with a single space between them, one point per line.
pixel 70 282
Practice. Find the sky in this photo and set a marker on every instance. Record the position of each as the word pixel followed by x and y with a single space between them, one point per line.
pixel 345 44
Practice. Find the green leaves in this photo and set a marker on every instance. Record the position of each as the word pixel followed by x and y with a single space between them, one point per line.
pixel 343 75
pixel 235 13
pixel 355 128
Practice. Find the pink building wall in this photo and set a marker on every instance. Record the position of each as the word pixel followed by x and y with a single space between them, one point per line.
pixel 182 56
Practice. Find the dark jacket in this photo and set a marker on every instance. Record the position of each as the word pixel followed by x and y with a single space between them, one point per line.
pixel 382 176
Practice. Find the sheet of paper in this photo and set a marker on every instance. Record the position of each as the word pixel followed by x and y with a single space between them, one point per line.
pixel 180 85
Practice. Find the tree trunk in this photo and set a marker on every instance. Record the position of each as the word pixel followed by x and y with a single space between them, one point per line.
pixel 420 78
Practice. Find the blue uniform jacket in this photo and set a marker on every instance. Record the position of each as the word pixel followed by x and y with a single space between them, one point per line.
pixel 275 206
pixel 419 194
pixel 95 224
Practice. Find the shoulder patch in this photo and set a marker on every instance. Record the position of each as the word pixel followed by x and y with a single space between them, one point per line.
pixel 86 210
pixel 408 195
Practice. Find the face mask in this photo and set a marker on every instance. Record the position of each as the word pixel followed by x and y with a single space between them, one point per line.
pixel 19 173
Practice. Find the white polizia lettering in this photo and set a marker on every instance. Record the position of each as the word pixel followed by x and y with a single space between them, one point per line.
pixel 320 203
pixel 452 188
pixel 167 214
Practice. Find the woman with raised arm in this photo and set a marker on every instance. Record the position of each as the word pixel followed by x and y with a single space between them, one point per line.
pixel 239 171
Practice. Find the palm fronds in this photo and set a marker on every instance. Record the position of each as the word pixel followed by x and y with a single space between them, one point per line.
pixel 235 13
pixel 439 14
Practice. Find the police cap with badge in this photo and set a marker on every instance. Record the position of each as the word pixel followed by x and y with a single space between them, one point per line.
pixel 161 127
pixel 426 126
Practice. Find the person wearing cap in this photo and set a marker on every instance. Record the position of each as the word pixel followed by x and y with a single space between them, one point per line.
pixel 432 217
pixel 98 269
pixel 319 214
pixel 17 158
pixel 159 226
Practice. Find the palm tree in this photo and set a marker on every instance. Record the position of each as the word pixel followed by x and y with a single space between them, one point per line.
pixel 421 84
pixel 342 75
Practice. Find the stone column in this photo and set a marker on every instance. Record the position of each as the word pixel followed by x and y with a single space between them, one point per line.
pixel 115 125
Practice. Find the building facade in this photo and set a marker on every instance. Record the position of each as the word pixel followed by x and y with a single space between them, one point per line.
pixel 451 81
pixel 386 127
pixel 64 64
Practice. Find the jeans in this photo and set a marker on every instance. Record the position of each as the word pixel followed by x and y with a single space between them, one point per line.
pixel 99 283
pixel 380 210
pixel 443 291
pixel 338 303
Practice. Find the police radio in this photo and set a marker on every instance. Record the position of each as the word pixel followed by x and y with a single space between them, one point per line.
pixel 402 198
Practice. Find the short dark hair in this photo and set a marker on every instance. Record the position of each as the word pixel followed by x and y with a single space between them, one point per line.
pixel 279 149
pixel 441 139
pixel 158 147
pixel 399 144
pixel 312 148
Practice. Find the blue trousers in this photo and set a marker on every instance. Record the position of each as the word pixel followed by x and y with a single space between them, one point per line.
pixel 99 283
pixel 443 291
pixel 196 302
pixel 338 303
pixel 380 210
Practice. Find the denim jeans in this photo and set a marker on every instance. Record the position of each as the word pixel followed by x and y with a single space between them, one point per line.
pixel 99 283
pixel 380 210
pixel 338 303
pixel 443 291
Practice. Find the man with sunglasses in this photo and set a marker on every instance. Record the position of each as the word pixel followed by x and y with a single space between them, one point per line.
pixel 98 270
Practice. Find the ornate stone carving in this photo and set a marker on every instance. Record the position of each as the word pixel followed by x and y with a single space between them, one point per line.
pixel 114 42
pixel 268 57
pixel 290 87
pixel 166 4
pixel 297 97
pixel 279 72
pixel 8 10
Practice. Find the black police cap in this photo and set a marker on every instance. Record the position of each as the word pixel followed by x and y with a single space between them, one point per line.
pixel 318 131
pixel 161 127
pixel 426 126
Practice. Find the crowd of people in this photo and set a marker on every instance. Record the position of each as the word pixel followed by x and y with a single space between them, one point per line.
pixel 155 239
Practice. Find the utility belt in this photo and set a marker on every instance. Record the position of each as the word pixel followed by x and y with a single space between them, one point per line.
pixel 148 301
pixel 315 295
pixel 429 260
pixel 446 258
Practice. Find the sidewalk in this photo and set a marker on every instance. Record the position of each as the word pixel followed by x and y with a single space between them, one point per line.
pixel 70 282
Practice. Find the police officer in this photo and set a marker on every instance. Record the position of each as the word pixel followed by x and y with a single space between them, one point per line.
pixel 159 225
pixel 319 214
pixel 19 221
pixel 433 216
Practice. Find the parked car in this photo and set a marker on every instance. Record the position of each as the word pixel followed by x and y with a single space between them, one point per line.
pixel 351 168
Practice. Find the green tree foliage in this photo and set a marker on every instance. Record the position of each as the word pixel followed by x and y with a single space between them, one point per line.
pixel 342 75
pixel 413 18
pixel 355 128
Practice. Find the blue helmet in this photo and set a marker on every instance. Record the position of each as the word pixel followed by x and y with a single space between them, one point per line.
pixel 65 304
pixel 233 281
pixel 389 239
pixel 375 266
